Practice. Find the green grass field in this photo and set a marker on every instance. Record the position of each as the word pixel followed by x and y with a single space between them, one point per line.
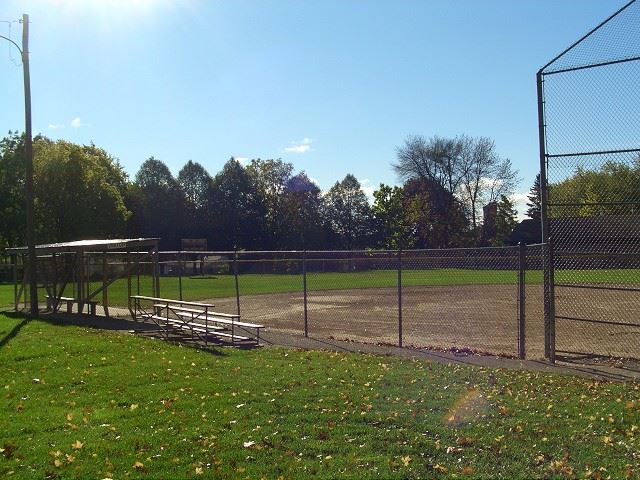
pixel 83 403
pixel 216 286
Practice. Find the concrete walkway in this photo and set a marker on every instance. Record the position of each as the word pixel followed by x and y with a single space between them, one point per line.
pixel 591 370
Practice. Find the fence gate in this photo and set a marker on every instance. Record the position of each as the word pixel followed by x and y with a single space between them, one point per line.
pixel 589 113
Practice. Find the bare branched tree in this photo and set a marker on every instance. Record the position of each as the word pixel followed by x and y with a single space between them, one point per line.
pixel 487 176
pixel 469 168
pixel 437 159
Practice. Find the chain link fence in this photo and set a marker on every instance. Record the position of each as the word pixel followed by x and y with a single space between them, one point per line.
pixel 486 300
pixel 589 104
pixel 454 299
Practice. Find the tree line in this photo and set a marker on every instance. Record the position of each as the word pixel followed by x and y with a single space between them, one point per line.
pixel 81 192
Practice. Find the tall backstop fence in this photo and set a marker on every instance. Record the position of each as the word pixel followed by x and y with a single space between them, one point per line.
pixel 589 113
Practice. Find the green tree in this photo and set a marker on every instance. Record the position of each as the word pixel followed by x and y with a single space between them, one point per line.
pixel 348 213
pixel 302 208
pixel 270 178
pixel 391 230
pixel 237 209
pixel 434 216
pixel 78 190
pixel 196 186
pixel 158 204
pixel 506 220
pixel 12 200
pixel 614 189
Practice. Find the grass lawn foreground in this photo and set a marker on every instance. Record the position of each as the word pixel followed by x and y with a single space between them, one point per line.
pixel 84 403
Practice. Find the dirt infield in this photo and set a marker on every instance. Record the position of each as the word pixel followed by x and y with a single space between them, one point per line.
pixel 478 317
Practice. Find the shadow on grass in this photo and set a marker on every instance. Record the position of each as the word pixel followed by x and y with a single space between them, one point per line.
pixel 15 330
pixel 144 329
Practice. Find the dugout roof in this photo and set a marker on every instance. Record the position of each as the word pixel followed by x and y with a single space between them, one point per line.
pixel 89 246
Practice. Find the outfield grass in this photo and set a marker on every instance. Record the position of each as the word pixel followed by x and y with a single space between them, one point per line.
pixel 82 403
pixel 6 294
pixel 216 286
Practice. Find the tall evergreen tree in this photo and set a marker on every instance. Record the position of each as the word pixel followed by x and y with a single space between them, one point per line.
pixel 302 207
pixel 237 209
pixel 534 205
pixel 506 220
pixel 158 204
pixel 195 184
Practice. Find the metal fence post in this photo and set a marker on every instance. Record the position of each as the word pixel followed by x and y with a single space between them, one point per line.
pixel 156 272
pixel 400 297
pixel 14 264
pixel 180 269
pixel 552 304
pixel 304 289
pixel 522 267
pixel 235 275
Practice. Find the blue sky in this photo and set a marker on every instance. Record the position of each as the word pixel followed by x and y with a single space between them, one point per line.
pixel 330 86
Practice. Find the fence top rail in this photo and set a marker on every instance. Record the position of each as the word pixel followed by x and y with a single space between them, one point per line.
pixel 360 251
pixel 170 300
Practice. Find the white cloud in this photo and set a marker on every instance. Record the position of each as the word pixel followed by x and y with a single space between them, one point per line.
pixel 300 147
pixel 520 202
pixel 55 126
pixel 367 188
pixel 77 123
pixel 297 149
pixel 242 160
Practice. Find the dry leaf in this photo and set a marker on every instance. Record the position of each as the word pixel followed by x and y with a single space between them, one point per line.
pixel 249 444
pixel 57 463
pixel 138 465
pixel 77 445
pixel 405 460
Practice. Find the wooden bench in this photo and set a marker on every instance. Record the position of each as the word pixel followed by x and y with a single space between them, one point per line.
pixel 70 301
pixel 199 319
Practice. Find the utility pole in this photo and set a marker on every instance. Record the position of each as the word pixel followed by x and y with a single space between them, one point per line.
pixel 28 153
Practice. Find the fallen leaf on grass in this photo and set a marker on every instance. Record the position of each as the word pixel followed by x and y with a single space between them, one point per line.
pixel 138 465
pixel 77 445
pixel 464 441
pixel 199 471
pixel 248 444
pixel 467 471
pixel 57 463
pixel 405 460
